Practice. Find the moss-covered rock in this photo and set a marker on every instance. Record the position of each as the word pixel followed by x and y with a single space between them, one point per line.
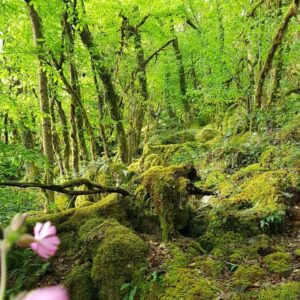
pixel 112 173
pixel 82 201
pixel 79 283
pixel 120 256
pixel 183 280
pixel 246 275
pixel 206 134
pixel 263 193
pixel 209 266
pixel 279 263
pixel 284 291
pixel 62 202
pixel 190 285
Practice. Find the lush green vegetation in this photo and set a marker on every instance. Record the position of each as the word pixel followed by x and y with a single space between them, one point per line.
pixel 163 141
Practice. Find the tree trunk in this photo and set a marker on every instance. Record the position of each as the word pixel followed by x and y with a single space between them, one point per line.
pixel 44 100
pixel 277 40
pixel 111 95
pixel 182 79
pixel 5 124
pixel 55 137
pixel 100 112
pixel 65 133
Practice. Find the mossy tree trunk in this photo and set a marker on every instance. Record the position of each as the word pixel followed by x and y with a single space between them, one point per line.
pixel 39 40
pixel 277 40
pixel 182 79
pixel 81 114
pixel 65 133
pixel 111 95
pixel 100 99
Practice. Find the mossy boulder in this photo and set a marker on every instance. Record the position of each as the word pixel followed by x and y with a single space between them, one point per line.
pixel 284 291
pixel 82 201
pixel 261 195
pixel 246 275
pixel 120 256
pixel 183 280
pixel 176 137
pixel 62 202
pixel 79 283
pixel 206 134
pixel 190 285
pixel 209 266
pixel 279 263
pixel 112 174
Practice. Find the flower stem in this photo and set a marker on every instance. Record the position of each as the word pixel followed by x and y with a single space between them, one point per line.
pixel 3 270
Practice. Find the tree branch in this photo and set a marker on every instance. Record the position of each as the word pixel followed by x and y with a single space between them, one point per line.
pixel 147 60
pixel 93 188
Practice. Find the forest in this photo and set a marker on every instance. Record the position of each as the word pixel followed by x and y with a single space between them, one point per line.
pixel 150 149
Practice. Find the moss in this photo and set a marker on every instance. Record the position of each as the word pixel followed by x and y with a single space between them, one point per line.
pixel 291 131
pixel 297 253
pixel 151 160
pixel 209 266
pixel 213 178
pixel 246 275
pixel 89 230
pixel 82 201
pixel 263 192
pixel 112 173
pixel 247 172
pixel 177 137
pixel 134 168
pixel 284 291
pixel 268 156
pixel 167 188
pixel 183 280
pixel 113 206
pixel 62 202
pixel 79 283
pixel 279 263
pixel 120 255
pixel 226 187
pixel 189 285
pixel 206 134
pixel 70 244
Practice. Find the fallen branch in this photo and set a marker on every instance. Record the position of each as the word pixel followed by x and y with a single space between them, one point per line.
pixel 93 188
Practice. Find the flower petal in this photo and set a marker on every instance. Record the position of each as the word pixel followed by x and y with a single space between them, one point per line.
pixel 49 293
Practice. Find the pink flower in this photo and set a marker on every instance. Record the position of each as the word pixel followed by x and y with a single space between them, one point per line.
pixel 49 293
pixel 46 240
